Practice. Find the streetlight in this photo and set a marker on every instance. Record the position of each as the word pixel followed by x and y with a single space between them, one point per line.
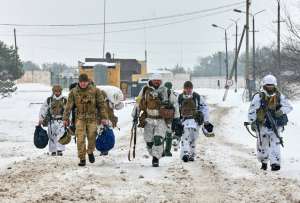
pixel 226 46
pixel 253 31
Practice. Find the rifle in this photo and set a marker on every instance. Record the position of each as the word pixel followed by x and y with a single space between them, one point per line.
pixel 274 127
pixel 133 135
pixel 50 120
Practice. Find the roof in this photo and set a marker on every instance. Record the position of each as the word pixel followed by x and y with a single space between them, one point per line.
pixel 98 63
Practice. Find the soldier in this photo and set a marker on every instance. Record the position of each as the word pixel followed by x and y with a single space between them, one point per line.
pixel 169 134
pixel 51 115
pixel 267 115
pixel 113 119
pixel 155 112
pixel 193 113
pixel 90 109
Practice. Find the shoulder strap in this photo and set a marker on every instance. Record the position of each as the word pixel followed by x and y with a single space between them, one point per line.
pixel 180 99
pixel 49 100
pixel 65 100
pixel 196 98
pixel 169 94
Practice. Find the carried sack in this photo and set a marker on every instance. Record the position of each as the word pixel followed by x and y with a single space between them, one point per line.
pixel 40 138
pixel 105 141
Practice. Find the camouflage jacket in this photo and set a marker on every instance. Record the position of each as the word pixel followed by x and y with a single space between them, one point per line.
pixel 89 103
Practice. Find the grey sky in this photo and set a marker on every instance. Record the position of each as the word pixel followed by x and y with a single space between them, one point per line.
pixel 179 43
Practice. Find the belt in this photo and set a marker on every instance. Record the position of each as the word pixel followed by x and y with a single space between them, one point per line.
pixel 188 117
pixel 154 117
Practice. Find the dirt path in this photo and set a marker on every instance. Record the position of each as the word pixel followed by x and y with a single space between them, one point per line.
pixel 223 172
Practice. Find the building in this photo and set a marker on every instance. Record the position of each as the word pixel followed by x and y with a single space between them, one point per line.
pixel 36 76
pixel 122 73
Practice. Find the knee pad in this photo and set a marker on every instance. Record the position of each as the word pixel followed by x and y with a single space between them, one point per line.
pixel 158 140
pixel 149 145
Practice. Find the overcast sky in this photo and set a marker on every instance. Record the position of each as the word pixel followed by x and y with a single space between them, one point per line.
pixel 180 43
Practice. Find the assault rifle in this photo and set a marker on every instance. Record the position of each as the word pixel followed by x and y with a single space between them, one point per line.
pixel 133 135
pixel 274 126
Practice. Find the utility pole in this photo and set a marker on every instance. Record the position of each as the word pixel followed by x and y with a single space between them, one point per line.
pixel 220 63
pixel 254 62
pixel 278 37
pixel 16 48
pixel 220 69
pixel 145 38
pixel 226 60
pixel 247 50
pixel 104 28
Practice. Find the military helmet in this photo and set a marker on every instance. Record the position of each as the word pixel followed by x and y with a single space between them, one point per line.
pixel 155 76
pixel 66 138
pixel 56 88
pixel 40 138
pixel 269 80
pixel 168 85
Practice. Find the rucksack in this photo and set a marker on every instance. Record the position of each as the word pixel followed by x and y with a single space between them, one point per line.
pixel 40 138
pixel 105 141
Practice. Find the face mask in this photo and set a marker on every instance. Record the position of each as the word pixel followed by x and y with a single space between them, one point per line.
pixel 270 89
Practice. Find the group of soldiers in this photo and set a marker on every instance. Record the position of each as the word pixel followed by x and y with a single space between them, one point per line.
pixel 88 105
pixel 165 117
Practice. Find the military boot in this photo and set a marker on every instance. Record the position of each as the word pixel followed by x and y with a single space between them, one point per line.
pixel 264 166
pixel 82 163
pixel 168 140
pixel 91 158
pixel 185 158
pixel 59 153
pixel 155 162
pixel 275 167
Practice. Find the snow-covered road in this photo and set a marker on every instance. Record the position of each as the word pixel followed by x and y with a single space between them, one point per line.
pixel 226 169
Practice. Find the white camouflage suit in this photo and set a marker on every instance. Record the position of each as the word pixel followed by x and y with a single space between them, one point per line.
pixel 155 129
pixel 268 145
pixel 191 130
pixel 55 126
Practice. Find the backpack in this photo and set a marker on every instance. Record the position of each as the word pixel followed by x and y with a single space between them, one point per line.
pixel 49 116
pixel 195 108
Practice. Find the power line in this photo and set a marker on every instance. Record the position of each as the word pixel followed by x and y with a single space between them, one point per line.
pixel 127 21
pixel 124 30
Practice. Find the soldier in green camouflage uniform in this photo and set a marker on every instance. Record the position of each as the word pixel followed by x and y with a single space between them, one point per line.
pixel 91 110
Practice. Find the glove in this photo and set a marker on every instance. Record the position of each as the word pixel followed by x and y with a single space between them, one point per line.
pixel 104 122
pixel 278 113
pixel 209 127
pixel 66 123
pixel 199 118
pixel 177 127
pixel 40 122
pixel 253 127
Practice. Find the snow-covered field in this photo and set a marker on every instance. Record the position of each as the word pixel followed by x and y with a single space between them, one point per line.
pixel 226 169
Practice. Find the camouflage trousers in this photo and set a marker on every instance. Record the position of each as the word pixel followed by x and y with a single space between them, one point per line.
pixel 85 128
pixel 268 147
pixel 154 135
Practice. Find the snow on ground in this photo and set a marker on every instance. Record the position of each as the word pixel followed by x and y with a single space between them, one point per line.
pixel 225 170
